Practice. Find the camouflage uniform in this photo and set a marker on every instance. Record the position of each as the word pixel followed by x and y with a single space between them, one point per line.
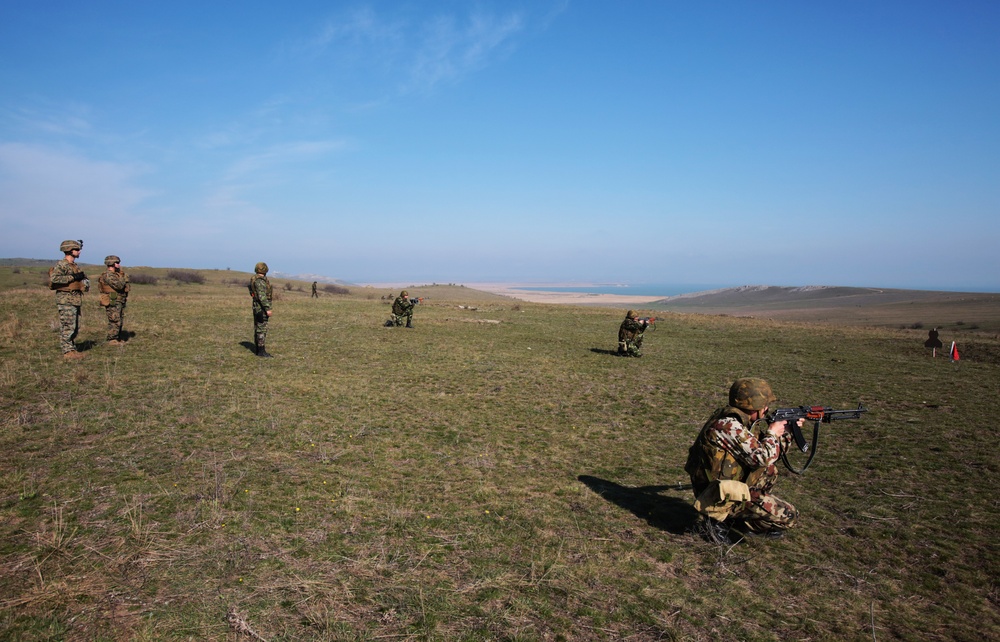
pixel 402 308
pixel 261 293
pixel 630 335
pixel 69 282
pixel 315 294
pixel 730 448
pixel 114 287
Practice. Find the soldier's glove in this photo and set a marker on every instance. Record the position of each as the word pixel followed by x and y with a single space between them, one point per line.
pixel 79 276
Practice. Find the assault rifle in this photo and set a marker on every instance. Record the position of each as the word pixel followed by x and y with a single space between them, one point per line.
pixel 817 414
pixel 649 321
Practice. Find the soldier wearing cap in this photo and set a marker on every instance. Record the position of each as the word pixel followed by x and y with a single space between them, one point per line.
pixel 402 308
pixel 733 466
pixel 261 295
pixel 69 282
pixel 114 287
pixel 630 335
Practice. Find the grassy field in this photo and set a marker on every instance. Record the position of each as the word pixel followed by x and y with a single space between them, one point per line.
pixel 493 474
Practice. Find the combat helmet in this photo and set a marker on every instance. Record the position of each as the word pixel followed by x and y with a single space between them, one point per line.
pixel 751 394
pixel 404 293
pixel 630 314
pixel 68 246
pixel 111 259
pixel 260 268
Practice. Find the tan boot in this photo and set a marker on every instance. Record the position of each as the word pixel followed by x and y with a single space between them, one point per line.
pixel 71 356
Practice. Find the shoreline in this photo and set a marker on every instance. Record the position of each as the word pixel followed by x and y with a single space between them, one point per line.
pixel 510 289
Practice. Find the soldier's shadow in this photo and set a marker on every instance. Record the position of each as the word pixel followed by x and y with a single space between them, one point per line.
pixel 249 346
pixel 671 514
pixel 613 353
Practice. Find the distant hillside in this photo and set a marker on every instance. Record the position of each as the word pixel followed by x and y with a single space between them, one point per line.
pixel 22 262
pixel 860 306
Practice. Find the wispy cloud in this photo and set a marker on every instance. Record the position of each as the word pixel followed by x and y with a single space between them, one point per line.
pixel 47 192
pixel 44 186
pixel 279 155
pixel 451 48
pixel 411 56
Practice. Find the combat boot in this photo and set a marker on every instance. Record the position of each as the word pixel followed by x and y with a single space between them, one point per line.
pixel 409 324
pixel 73 355
pixel 262 352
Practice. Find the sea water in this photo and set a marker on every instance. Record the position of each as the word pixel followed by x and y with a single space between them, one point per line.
pixel 635 289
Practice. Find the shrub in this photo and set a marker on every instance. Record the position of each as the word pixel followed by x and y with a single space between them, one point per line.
pixel 288 286
pixel 143 279
pixel 335 289
pixel 186 276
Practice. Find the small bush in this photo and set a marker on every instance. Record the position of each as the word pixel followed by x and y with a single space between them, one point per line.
pixel 16 270
pixel 288 286
pixel 186 276
pixel 143 279
pixel 335 289
pixel 917 326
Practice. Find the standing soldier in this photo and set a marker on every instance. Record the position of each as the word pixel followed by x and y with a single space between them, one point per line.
pixel 315 295
pixel 630 335
pixel 69 282
pixel 261 293
pixel 114 287
pixel 402 308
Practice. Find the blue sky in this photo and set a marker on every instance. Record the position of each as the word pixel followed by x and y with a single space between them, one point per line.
pixel 722 143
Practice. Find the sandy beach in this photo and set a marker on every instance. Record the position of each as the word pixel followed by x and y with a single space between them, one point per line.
pixel 568 298
pixel 540 296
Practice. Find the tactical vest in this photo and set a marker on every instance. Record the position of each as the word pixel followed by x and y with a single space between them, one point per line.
pixel 708 462
pixel 72 286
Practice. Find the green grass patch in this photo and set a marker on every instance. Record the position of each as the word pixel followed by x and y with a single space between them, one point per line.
pixel 493 474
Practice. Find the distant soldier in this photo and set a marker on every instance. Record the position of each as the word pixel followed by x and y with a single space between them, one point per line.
pixel 261 294
pixel 630 335
pixel 69 283
pixel 733 466
pixel 315 295
pixel 402 308
pixel 114 287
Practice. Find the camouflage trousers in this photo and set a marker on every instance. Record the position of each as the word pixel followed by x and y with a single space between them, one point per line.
pixel 69 326
pixel 398 319
pixel 116 316
pixel 631 348
pixel 767 513
pixel 260 319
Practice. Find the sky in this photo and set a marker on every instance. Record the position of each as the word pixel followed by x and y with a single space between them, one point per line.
pixel 848 142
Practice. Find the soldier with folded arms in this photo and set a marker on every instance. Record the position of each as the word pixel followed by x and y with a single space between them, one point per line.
pixel 69 282
pixel 114 287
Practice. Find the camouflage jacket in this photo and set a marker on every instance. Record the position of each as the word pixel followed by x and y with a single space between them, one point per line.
pixel 401 306
pixel 68 280
pixel 115 285
pixel 727 449
pixel 629 329
pixel 260 291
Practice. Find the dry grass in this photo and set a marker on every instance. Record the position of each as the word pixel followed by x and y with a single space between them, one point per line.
pixel 473 481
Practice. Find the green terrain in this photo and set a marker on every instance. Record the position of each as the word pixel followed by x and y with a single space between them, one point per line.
pixel 494 473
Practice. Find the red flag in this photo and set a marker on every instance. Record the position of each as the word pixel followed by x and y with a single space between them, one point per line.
pixel 954 351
